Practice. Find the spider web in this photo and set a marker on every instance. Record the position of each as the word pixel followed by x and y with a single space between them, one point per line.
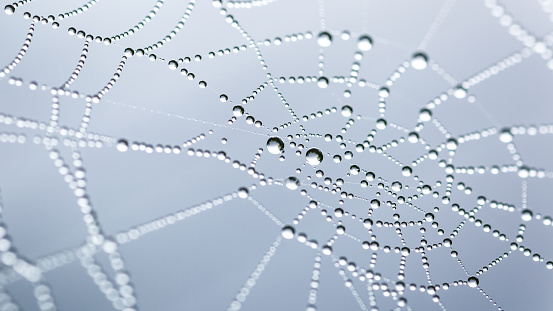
pixel 276 155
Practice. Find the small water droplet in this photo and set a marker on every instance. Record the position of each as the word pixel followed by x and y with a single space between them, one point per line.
pixel 122 145
pixel 473 281
pixel 292 183
pixel 419 61
pixel 425 115
pixel 9 9
pixel 322 82
pixel 526 215
pixel 288 232
pixel 406 171
pixel 243 193
pixel 324 39
pixel 275 145
pixel 365 43
pixel 347 111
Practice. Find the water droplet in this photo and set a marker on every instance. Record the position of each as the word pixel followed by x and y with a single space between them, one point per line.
pixel 292 183
pixel 429 217
pixel 473 281
pixel 275 145
pixel 384 92
pixel 288 232
pixel 396 186
pixel 425 115
pixel 202 84
pixel 347 111
pixel 354 170
pixel 460 92
pixel 129 52
pixel 413 137
pixel 370 176
pixel 173 64
pixel 325 39
pixel 237 111
pixel 223 98
pixel 9 9
pixel 451 144
pixel 505 136
pixel 419 61
pixel 122 145
pixel 368 223
pixel 447 242
pixel 314 156
pixel 406 171
pixel 381 124
pixel 322 82
pixel 365 43
pixel 243 193
pixel 526 215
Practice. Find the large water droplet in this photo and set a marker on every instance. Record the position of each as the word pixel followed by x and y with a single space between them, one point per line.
pixel 419 61
pixel 322 82
pixel 314 156
pixel 275 145
pixel 324 39
pixel 505 136
pixel 347 111
pixel 122 145
pixel 425 115
pixel 526 215
pixel 406 171
pixel 292 183
pixel 473 281
pixel 460 92
pixel 365 43
pixel 288 232
pixel 9 9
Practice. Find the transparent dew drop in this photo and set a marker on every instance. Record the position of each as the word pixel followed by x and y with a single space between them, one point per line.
pixel 401 302
pixel 292 183
pixel 327 250
pixel 243 193
pixel 288 232
pixel 347 111
pixel 365 43
pixel 324 39
pixel 314 156
pixel 425 115
pixel 9 9
pixel 526 215
pixel 473 281
pixel 460 92
pixel 237 111
pixel 129 52
pixel 275 145
pixel 419 61
pixel 413 137
pixel 173 64
pixel 396 186
pixel 505 136
pixel 447 242
pixel 223 98
pixel 381 124
pixel 322 82
pixel 429 217
pixel 451 144
pixel 406 171
pixel 384 92
pixel 202 84
pixel 122 145
pixel 354 170
pixel 368 223
pixel 370 176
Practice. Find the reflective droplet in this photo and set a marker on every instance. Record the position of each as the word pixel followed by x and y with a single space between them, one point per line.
pixel 429 217
pixel 368 223
pixel 243 193
pixel 396 186
pixel 365 43
pixel 505 136
pixel 354 170
pixel 347 111
pixel 447 242
pixel 419 61
pixel 129 52
pixel 122 145
pixel 381 124
pixel 413 137
pixel 473 281
pixel 173 65
pixel 275 145
pixel 324 39
pixel 370 176
pixel 314 156
pixel 9 9
pixel 223 98
pixel 526 215
pixel 425 115
pixel 451 144
pixel 406 171
pixel 292 183
pixel 237 111
pixel 459 92
pixel 288 232
pixel 322 82
pixel 384 92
